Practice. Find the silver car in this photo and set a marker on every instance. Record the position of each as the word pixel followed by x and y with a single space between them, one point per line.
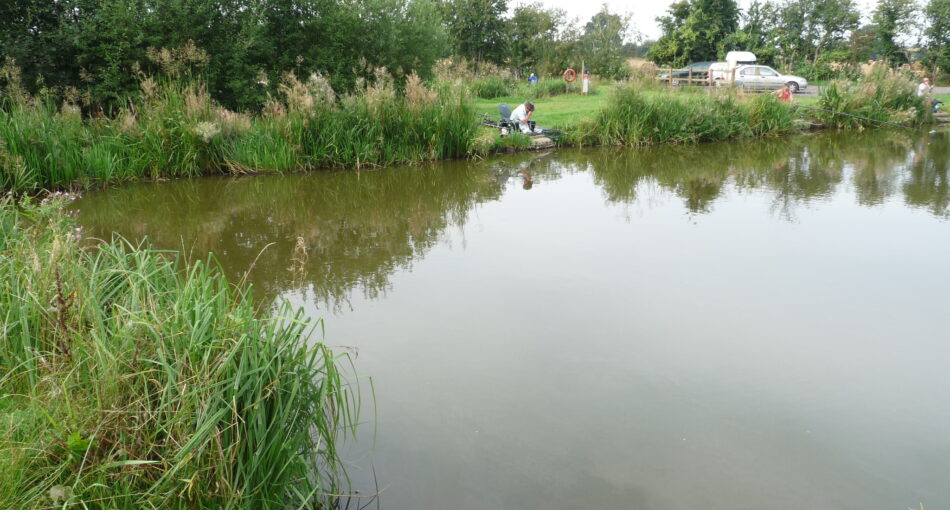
pixel 765 78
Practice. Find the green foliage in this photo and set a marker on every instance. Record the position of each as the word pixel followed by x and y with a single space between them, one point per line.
pixel 97 46
pixel 478 28
pixel 535 37
pixel 893 18
pixel 693 30
pixel 636 118
pixel 130 381
pixel 833 64
pixel 602 43
pixel 809 27
pixel 177 130
pixel 553 86
pixel 490 87
pixel 882 96
pixel 937 14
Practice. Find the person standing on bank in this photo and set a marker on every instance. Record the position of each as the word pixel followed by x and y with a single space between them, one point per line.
pixel 522 116
pixel 532 80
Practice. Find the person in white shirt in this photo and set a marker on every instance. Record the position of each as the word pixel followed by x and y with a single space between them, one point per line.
pixel 924 88
pixel 522 115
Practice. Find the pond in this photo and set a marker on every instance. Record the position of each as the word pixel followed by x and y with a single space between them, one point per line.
pixel 757 324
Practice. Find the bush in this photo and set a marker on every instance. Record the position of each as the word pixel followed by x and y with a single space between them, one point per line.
pixel 882 96
pixel 633 117
pixel 128 380
pixel 552 87
pixel 490 87
pixel 176 130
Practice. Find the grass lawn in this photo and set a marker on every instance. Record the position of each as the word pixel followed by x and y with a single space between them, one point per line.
pixel 564 110
pixel 553 112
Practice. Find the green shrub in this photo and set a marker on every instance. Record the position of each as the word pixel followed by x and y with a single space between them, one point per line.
pixel 490 87
pixel 130 381
pixel 633 117
pixel 882 96
pixel 176 130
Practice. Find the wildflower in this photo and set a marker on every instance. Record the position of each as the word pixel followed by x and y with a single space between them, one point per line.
pixel 206 130
pixel 59 493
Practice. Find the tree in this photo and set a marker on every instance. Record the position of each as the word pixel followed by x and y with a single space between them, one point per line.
pixel 809 27
pixel 96 45
pixel 694 30
pixel 893 19
pixel 758 33
pixel 535 34
pixel 937 14
pixel 603 40
pixel 476 28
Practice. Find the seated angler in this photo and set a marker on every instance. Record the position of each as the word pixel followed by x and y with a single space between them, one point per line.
pixel 522 116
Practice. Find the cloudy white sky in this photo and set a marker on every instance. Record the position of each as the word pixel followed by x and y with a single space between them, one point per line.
pixel 644 12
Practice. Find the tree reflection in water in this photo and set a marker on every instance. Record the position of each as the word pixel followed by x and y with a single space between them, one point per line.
pixel 358 229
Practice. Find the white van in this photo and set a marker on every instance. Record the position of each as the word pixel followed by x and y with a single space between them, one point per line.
pixel 734 59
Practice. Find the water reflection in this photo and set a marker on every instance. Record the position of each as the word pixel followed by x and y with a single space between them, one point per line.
pixel 344 231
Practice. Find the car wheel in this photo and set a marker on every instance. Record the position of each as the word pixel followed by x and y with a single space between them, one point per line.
pixel 793 87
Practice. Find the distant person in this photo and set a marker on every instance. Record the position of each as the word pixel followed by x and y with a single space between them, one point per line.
pixel 522 116
pixel 784 94
pixel 925 90
pixel 532 80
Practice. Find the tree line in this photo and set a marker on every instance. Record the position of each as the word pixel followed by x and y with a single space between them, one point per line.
pixel 103 47
pixel 815 36
pixel 241 48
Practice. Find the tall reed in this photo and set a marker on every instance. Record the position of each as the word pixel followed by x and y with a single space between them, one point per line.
pixel 130 381
pixel 633 117
pixel 883 96
pixel 174 129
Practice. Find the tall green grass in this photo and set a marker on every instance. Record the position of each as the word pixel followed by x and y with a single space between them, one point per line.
pixel 130 381
pixel 633 117
pixel 174 129
pixel 490 87
pixel 882 96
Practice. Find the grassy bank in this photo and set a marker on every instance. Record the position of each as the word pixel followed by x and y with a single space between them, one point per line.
pixel 882 97
pixel 174 129
pixel 632 117
pixel 128 381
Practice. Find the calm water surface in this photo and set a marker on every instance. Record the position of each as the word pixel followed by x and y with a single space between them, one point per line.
pixel 747 325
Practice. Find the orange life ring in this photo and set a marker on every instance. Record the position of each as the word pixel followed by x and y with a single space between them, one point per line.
pixel 570 75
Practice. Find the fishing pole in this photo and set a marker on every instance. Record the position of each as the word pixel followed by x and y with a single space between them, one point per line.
pixel 855 116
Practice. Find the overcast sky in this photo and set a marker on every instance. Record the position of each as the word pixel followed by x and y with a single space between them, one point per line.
pixel 644 12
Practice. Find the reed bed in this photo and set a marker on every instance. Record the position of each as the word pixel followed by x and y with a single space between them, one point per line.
pixel 883 96
pixel 637 117
pixel 129 380
pixel 490 87
pixel 174 129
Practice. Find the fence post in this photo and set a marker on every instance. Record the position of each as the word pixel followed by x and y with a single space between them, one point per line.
pixel 689 79
pixel 671 78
